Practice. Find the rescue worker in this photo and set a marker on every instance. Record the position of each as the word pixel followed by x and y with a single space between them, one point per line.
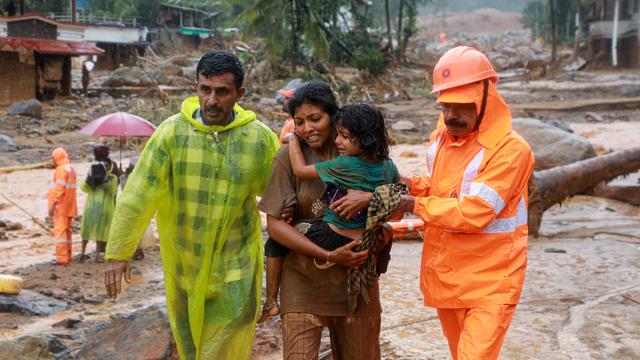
pixel 289 125
pixel 62 204
pixel 473 201
pixel 201 171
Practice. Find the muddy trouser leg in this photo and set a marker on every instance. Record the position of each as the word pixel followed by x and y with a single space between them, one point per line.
pixel 355 337
pixel 301 335
pixel 62 237
pixel 476 333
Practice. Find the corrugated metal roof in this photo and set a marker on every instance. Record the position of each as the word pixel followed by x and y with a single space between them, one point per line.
pixel 73 48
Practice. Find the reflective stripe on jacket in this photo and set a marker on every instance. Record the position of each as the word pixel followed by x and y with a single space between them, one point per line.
pixel 474 205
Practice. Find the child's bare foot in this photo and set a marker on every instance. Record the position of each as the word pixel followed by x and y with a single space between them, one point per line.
pixel 269 310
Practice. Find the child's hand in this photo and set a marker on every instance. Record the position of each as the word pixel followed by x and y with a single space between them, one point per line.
pixel 289 137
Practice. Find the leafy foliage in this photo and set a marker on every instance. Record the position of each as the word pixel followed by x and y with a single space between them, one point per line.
pixel 536 16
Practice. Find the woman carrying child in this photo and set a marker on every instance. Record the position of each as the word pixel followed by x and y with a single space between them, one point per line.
pixel 313 298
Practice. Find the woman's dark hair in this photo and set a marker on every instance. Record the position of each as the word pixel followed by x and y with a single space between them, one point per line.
pixel 219 63
pixel 317 93
pixel 366 127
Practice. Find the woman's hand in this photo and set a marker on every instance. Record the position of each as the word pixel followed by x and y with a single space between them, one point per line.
pixel 354 201
pixel 345 255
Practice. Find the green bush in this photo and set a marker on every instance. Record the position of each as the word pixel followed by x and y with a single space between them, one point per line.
pixel 370 60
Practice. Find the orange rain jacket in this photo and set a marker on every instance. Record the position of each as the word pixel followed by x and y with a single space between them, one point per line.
pixel 62 189
pixel 474 205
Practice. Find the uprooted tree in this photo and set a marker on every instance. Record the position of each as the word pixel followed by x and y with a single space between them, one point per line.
pixel 552 186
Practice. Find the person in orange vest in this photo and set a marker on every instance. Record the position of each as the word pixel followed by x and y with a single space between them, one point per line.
pixel 62 204
pixel 289 126
pixel 473 201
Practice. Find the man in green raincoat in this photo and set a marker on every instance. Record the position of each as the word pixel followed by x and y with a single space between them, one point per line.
pixel 201 172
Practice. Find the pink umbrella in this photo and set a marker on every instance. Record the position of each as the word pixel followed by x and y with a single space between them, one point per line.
pixel 120 124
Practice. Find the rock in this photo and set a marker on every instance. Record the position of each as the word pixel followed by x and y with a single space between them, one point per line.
pixel 7 144
pixel 68 323
pixel 144 334
pixel 11 226
pixel 552 146
pixel 31 108
pixel 170 69
pixel 180 81
pixel 53 131
pixel 158 77
pixel 562 125
pixel 30 303
pixel 3 236
pixel 181 60
pixel 190 72
pixel 575 65
pixel 593 117
pixel 404 125
pixel 630 90
pixel 41 346
pixel 133 76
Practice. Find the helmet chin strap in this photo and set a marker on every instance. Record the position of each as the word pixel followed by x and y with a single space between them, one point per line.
pixel 483 107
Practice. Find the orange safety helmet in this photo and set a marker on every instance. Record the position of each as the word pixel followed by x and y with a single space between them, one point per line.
pixel 460 66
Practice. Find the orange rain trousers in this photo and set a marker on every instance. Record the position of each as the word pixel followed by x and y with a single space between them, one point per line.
pixel 62 238
pixel 476 333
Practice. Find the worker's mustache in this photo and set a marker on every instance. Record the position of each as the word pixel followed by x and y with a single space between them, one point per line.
pixel 455 122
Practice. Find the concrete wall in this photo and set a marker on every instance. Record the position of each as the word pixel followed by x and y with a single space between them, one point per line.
pixel 17 80
pixel 113 34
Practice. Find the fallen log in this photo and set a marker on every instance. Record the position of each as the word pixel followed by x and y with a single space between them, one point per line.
pixel 42 165
pixel 552 186
pixel 628 194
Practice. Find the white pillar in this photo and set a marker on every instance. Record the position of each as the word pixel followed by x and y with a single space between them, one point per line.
pixel 614 35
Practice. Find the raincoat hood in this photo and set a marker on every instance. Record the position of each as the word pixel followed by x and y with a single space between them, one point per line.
pixel 495 124
pixel 242 117
pixel 60 156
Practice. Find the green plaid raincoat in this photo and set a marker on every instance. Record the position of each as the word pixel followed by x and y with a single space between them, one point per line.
pixel 98 209
pixel 202 181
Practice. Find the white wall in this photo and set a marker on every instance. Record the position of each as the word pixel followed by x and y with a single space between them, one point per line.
pixel 113 35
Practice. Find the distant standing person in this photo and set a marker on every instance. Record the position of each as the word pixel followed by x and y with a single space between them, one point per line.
pixel 87 66
pixel 62 204
pixel 101 186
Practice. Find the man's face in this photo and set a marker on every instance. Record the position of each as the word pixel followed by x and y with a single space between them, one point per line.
pixel 460 119
pixel 217 95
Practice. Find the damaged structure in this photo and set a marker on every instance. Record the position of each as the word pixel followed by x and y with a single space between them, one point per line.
pixel 185 27
pixel 614 31
pixel 32 56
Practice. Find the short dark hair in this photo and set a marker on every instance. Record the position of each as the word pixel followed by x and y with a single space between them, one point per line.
pixel 221 62
pixel 314 92
pixel 366 127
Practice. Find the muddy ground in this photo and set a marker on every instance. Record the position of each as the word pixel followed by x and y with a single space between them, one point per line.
pixel 582 293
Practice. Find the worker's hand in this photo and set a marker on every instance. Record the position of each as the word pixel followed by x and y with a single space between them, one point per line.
pixel 113 277
pixel 354 201
pixel 345 255
pixel 287 214
pixel 407 203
